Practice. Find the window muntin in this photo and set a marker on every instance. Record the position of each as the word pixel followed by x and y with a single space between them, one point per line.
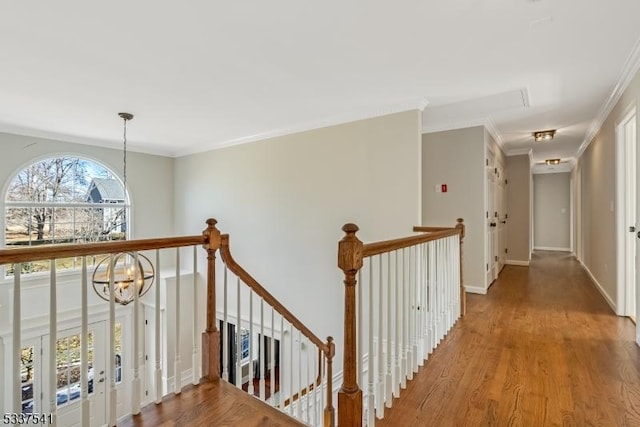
pixel 61 200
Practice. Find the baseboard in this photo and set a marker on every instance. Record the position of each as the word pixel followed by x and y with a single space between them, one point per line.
pixel 515 262
pixel 475 289
pixel 548 248
pixel 600 289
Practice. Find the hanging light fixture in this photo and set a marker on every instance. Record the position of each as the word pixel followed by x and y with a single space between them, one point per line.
pixel 125 273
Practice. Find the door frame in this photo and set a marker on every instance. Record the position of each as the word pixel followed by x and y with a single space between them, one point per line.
pixel 624 239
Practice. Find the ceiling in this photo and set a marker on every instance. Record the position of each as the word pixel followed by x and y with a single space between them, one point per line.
pixel 200 75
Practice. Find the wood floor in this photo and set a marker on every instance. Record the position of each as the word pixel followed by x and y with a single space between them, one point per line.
pixel 217 404
pixel 542 348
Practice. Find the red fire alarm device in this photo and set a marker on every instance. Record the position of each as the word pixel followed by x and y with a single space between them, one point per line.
pixel 444 188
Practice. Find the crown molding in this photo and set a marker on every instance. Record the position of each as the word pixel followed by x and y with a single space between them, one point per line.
pixel 348 117
pixel 493 130
pixel 629 70
pixel 75 139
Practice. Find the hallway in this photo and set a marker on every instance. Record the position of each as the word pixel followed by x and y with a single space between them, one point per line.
pixel 542 348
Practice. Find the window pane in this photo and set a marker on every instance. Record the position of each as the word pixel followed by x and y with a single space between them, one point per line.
pixel 27 375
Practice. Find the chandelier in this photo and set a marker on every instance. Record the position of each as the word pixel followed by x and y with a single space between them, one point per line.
pixel 124 274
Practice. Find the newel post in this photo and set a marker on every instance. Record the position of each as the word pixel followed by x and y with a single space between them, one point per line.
pixel 463 296
pixel 350 250
pixel 211 335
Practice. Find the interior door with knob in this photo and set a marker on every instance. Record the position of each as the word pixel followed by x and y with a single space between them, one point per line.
pixel 492 223
pixel 68 386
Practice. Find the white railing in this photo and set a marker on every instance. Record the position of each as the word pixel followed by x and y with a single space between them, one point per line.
pixel 79 282
pixel 280 351
pixel 403 296
pixel 292 367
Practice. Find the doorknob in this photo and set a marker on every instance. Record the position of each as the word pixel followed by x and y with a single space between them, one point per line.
pixel 101 380
pixel 504 222
pixel 632 229
pixel 493 224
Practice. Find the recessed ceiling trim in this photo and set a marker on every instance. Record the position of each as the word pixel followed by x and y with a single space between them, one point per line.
pixel 414 104
pixel 631 67
pixel 486 122
pixel 518 152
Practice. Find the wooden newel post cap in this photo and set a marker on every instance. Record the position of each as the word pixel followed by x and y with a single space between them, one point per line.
pixel 460 225
pixel 332 347
pixel 350 250
pixel 212 234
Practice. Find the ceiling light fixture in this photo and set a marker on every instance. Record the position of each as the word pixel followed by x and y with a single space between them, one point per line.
pixel 127 273
pixel 552 161
pixel 544 135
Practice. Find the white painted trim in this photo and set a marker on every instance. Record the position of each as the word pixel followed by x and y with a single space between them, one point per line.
pixel 348 117
pixel 547 248
pixel 481 290
pixel 516 262
pixel 493 130
pixel 518 152
pixel 600 288
pixel 631 67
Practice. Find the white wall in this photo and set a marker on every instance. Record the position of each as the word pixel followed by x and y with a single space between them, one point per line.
pixel 456 158
pixel 552 211
pixel 284 200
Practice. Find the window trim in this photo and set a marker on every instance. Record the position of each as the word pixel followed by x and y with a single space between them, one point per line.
pixel 4 204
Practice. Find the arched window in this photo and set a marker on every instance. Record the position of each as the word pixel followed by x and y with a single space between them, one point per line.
pixel 60 200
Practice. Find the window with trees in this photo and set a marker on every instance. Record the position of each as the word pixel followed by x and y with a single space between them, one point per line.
pixel 64 199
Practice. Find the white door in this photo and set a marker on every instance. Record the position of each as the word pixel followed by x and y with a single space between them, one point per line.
pixel 630 214
pixel 491 224
pixel 501 207
pixel 68 395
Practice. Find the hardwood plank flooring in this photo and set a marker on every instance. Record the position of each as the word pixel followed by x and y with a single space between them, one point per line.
pixel 542 348
pixel 217 404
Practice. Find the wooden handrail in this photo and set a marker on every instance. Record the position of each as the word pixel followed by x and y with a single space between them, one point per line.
pixel 371 249
pixel 243 275
pixel 423 229
pixel 39 253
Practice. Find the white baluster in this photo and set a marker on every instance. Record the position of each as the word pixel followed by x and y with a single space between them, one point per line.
pixel 84 347
pixel 416 302
pixel 388 397
pixel 272 363
pixel 113 394
pixel 410 359
pixel 316 383
pixel 398 323
pixel 135 382
pixel 424 344
pixel 238 338
pixel 280 401
pixel 323 381
pixel 177 370
pixel 431 278
pixel 406 303
pixel 158 351
pixel 371 397
pixel 380 388
pixel 17 341
pixel 290 371
pixel 250 388
pixel 300 384
pixel 53 333
pixel 310 382
pixel 195 360
pixel 261 352
pixel 359 346
pixel 225 330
